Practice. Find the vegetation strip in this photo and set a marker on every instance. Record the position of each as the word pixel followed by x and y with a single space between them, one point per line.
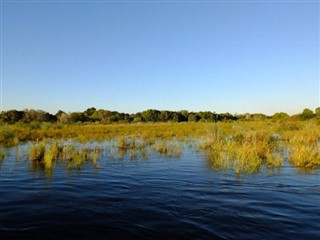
pixel 245 145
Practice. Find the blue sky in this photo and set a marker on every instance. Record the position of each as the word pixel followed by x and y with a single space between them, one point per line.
pixel 131 56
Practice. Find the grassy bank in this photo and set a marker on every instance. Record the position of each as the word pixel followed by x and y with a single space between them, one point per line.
pixel 13 134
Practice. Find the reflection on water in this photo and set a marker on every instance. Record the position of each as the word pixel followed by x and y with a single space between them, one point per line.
pixel 151 190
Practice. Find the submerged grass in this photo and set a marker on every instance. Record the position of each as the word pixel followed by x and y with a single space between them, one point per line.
pixel 168 149
pixel 37 150
pixel 304 147
pixel 2 154
pixel 248 147
pixel 244 147
pixel 76 156
pixel 241 150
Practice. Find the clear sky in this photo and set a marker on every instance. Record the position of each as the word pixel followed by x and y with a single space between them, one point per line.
pixel 130 56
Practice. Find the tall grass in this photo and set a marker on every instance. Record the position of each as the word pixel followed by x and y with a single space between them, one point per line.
pixel 7 135
pixel 36 151
pixel 241 150
pixel 84 133
pixel 46 153
pixel 238 146
pixel 2 154
pixel 305 147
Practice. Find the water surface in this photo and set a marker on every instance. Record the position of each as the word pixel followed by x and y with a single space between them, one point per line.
pixel 156 198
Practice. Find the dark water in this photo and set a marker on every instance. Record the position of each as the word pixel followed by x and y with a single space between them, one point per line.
pixel 157 198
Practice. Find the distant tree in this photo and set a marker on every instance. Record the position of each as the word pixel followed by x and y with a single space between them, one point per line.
pixel 77 117
pixel 306 114
pixel 177 117
pixel 258 117
pixel 114 118
pixel 183 115
pixel 33 116
pixel 11 116
pixel 206 116
pixel 317 111
pixel 123 117
pixel 101 116
pixel 165 116
pixel 137 117
pixel 279 115
pixel 48 117
pixel 151 115
pixel 193 117
pixel 63 118
pixel 88 113
pixel 215 117
pixel 59 113
pixel 227 116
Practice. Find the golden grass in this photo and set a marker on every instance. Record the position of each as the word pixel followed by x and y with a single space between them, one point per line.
pixel 239 146
pixel 100 132
pixel 241 150
pixel 2 154
pixel 36 151
pixel 46 153
pixel 247 147
pixel 305 147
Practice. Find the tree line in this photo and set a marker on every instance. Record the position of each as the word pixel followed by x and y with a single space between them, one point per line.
pixel 92 115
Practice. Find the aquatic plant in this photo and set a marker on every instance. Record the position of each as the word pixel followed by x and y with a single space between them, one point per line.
pixel 168 148
pixel 2 154
pixel 304 147
pixel 51 153
pixel 7 135
pixel 305 156
pixel 48 159
pixel 46 153
pixel 240 146
pixel 244 151
pixel 37 150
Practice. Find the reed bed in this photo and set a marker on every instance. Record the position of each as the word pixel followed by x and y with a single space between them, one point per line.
pixel 304 147
pixel 242 151
pixel 248 147
pixel 243 147
pixel 98 132
pixel 75 154
pixel 46 153
pixel 2 154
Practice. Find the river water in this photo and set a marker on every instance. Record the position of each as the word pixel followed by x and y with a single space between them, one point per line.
pixel 177 197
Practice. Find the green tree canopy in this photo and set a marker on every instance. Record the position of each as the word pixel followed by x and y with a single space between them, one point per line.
pixel 306 114
pixel 279 115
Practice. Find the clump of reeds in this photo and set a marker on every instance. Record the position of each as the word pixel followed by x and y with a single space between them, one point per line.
pixel 7 136
pixel 243 151
pixel 45 153
pixel 304 147
pixel 37 150
pixel 69 151
pixel 144 153
pixel 48 158
pixel 214 137
pixel 2 154
pixel 305 156
pixel 126 143
pixel 51 153
pixel 168 149
pixel 134 146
